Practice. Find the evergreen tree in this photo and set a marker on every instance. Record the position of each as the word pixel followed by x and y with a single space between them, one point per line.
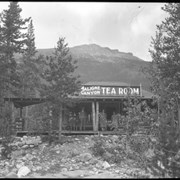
pixel 30 43
pixel 165 50
pixel 28 68
pixel 164 74
pixel 60 79
pixel 29 74
pixel 59 75
pixel 13 40
pixel 3 66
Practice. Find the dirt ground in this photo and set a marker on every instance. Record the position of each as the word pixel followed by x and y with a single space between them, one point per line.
pixel 71 159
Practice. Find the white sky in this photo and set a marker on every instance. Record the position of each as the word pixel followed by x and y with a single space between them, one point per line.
pixel 127 27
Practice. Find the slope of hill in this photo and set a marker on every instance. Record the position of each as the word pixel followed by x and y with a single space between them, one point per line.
pixel 95 52
pixel 96 63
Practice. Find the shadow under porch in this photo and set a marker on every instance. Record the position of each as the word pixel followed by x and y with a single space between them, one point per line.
pixel 91 120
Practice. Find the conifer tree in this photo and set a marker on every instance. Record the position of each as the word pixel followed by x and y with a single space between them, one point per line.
pixel 60 78
pixel 29 74
pixel 59 75
pixel 164 74
pixel 30 43
pixel 28 68
pixel 13 40
pixel 165 50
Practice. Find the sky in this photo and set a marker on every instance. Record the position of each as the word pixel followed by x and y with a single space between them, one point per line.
pixel 128 27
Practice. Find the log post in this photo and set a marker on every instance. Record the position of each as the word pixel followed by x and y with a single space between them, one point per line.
pixel 179 114
pixel 26 118
pixel 60 122
pixel 20 112
pixel 12 119
pixel 158 107
pixel 12 112
pixel 93 116
pixel 21 117
pixel 97 116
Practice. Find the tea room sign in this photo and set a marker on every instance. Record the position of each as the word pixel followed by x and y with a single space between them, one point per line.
pixel 110 90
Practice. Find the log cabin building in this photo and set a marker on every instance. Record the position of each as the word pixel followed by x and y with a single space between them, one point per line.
pixel 98 102
pixel 94 106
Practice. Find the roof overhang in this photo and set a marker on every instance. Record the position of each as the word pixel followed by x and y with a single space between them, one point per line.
pixel 22 102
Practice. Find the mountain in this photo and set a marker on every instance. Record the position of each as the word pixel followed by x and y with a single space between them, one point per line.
pixel 101 54
pixel 95 52
pixel 96 63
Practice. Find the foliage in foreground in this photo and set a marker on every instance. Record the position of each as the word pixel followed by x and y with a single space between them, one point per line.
pixel 164 75
pixel 156 150
pixel 132 145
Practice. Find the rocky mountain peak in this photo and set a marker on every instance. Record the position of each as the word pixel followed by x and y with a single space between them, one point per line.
pixel 95 50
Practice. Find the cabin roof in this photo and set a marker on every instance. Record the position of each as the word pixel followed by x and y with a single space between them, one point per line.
pixel 22 102
pixel 106 83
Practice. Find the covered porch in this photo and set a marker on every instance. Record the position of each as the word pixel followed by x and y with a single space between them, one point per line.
pixel 19 123
pixel 101 100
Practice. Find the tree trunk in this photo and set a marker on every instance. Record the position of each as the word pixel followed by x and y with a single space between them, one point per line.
pixel 12 119
pixel 179 115
pixel 21 118
pixel 50 130
pixel 93 116
pixel 97 116
pixel 12 112
pixel 60 122
pixel 26 118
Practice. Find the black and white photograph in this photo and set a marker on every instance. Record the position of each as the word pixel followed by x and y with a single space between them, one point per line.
pixel 89 89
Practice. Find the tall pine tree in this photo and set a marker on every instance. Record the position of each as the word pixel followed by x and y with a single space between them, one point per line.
pixel 29 75
pixel 28 68
pixel 13 41
pixel 164 74
pixel 60 78
pixel 60 74
pixel 165 50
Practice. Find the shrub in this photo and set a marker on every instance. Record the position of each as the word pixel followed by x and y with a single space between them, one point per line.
pixel 139 144
pixel 6 149
pixel 98 148
pixel 109 151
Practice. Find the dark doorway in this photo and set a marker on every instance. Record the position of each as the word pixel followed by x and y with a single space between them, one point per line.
pixel 109 108
pixel 109 111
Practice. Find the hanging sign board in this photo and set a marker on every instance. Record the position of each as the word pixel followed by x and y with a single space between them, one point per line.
pixel 110 90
